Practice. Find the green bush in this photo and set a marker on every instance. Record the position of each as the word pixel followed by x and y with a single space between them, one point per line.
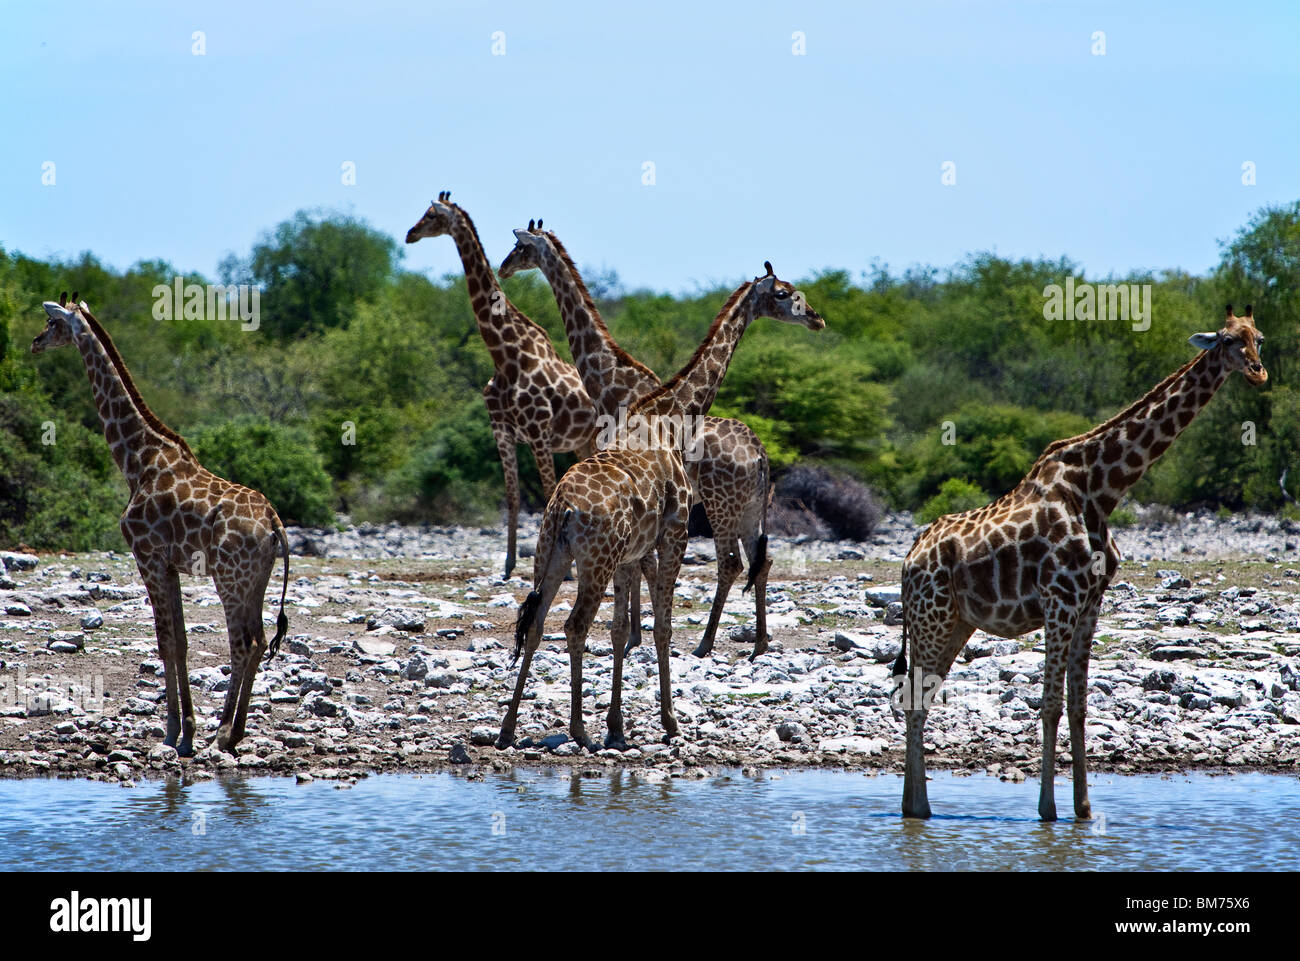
pixel 454 474
pixel 954 497
pixel 275 459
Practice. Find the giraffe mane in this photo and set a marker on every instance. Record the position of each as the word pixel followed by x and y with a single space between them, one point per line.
pixel 1056 446
pixel 133 392
pixel 518 314
pixel 669 385
pixel 623 356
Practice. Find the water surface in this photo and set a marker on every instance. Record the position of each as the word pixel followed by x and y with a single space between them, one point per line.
pixel 554 820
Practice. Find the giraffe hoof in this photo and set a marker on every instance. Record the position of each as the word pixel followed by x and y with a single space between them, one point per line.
pixel 702 651
pixel 618 743
pixel 504 741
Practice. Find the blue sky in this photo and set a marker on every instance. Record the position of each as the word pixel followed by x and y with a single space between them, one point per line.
pixel 1127 161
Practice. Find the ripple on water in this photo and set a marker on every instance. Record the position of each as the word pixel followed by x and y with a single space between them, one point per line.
pixel 800 820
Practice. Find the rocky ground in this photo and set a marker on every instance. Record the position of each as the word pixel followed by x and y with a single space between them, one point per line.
pixel 398 659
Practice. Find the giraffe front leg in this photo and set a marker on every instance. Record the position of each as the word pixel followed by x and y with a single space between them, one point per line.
pixel 510 470
pixel 663 580
pixel 163 584
pixel 1057 634
pixel 916 801
pixel 1077 710
pixel 185 747
pixel 614 736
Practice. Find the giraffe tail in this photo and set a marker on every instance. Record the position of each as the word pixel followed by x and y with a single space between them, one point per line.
pixel 281 622
pixel 900 665
pixel 760 555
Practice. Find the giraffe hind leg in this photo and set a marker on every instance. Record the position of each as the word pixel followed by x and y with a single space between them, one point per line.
pixel 727 548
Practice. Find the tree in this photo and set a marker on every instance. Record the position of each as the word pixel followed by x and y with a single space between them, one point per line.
pixel 314 269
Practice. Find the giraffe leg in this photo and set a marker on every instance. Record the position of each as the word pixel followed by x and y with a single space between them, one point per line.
pixel 663 579
pixel 1057 630
pixel 510 468
pixel 727 548
pixel 634 625
pixel 591 591
pixel 936 644
pixel 546 468
pixel 532 639
pixel 623 577
pixel 760 563
pixel 163 584
pixel 1077 708
pixel 180 648
pixel 247 644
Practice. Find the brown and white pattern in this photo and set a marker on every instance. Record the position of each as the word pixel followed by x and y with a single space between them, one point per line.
pixel 1042 556
pixel 534 397
pixel 180 519
pixel 624 510
pixel 729 476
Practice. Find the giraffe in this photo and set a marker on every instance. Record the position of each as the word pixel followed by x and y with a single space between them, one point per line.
pixel 534 397
pixel 180 519
pixel 730 477
pixel 625 508
pixel 1042 556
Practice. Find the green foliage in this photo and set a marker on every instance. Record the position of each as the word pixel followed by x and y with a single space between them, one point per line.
pixel 350 347
pixel 453 474
pixel 992 446
pixel 314 269
pixel 277 460
pixel 955 496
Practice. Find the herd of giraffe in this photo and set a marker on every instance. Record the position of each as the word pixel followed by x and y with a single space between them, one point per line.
pixel 1040 557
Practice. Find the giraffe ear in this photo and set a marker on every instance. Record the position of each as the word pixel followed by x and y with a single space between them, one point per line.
pixel 1203 341
pixel 522 235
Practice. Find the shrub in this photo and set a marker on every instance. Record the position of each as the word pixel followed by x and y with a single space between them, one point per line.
pixel 275 459
pixel 955 496
pixel 847 507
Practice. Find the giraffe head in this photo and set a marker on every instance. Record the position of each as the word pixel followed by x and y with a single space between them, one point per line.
pixel 61 325
pixel 773 297
pixel 527 253
pixel 1237 343
pixel 437 220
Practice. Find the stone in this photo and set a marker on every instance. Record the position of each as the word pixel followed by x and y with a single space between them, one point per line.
pixel 92 621
pixel 1175 652
pixel 790 731
pixel 884 596
pixel 374 646
pixel 483 736
pixel 398 618
pixel 18 562
pixel 416 668
pixel 459 755
pixel 66 641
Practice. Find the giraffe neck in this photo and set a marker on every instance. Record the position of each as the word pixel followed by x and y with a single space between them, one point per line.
pixel 134 434
pixel 1119 452
pixel 611 375
pixel 693 388
pixel 492 311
